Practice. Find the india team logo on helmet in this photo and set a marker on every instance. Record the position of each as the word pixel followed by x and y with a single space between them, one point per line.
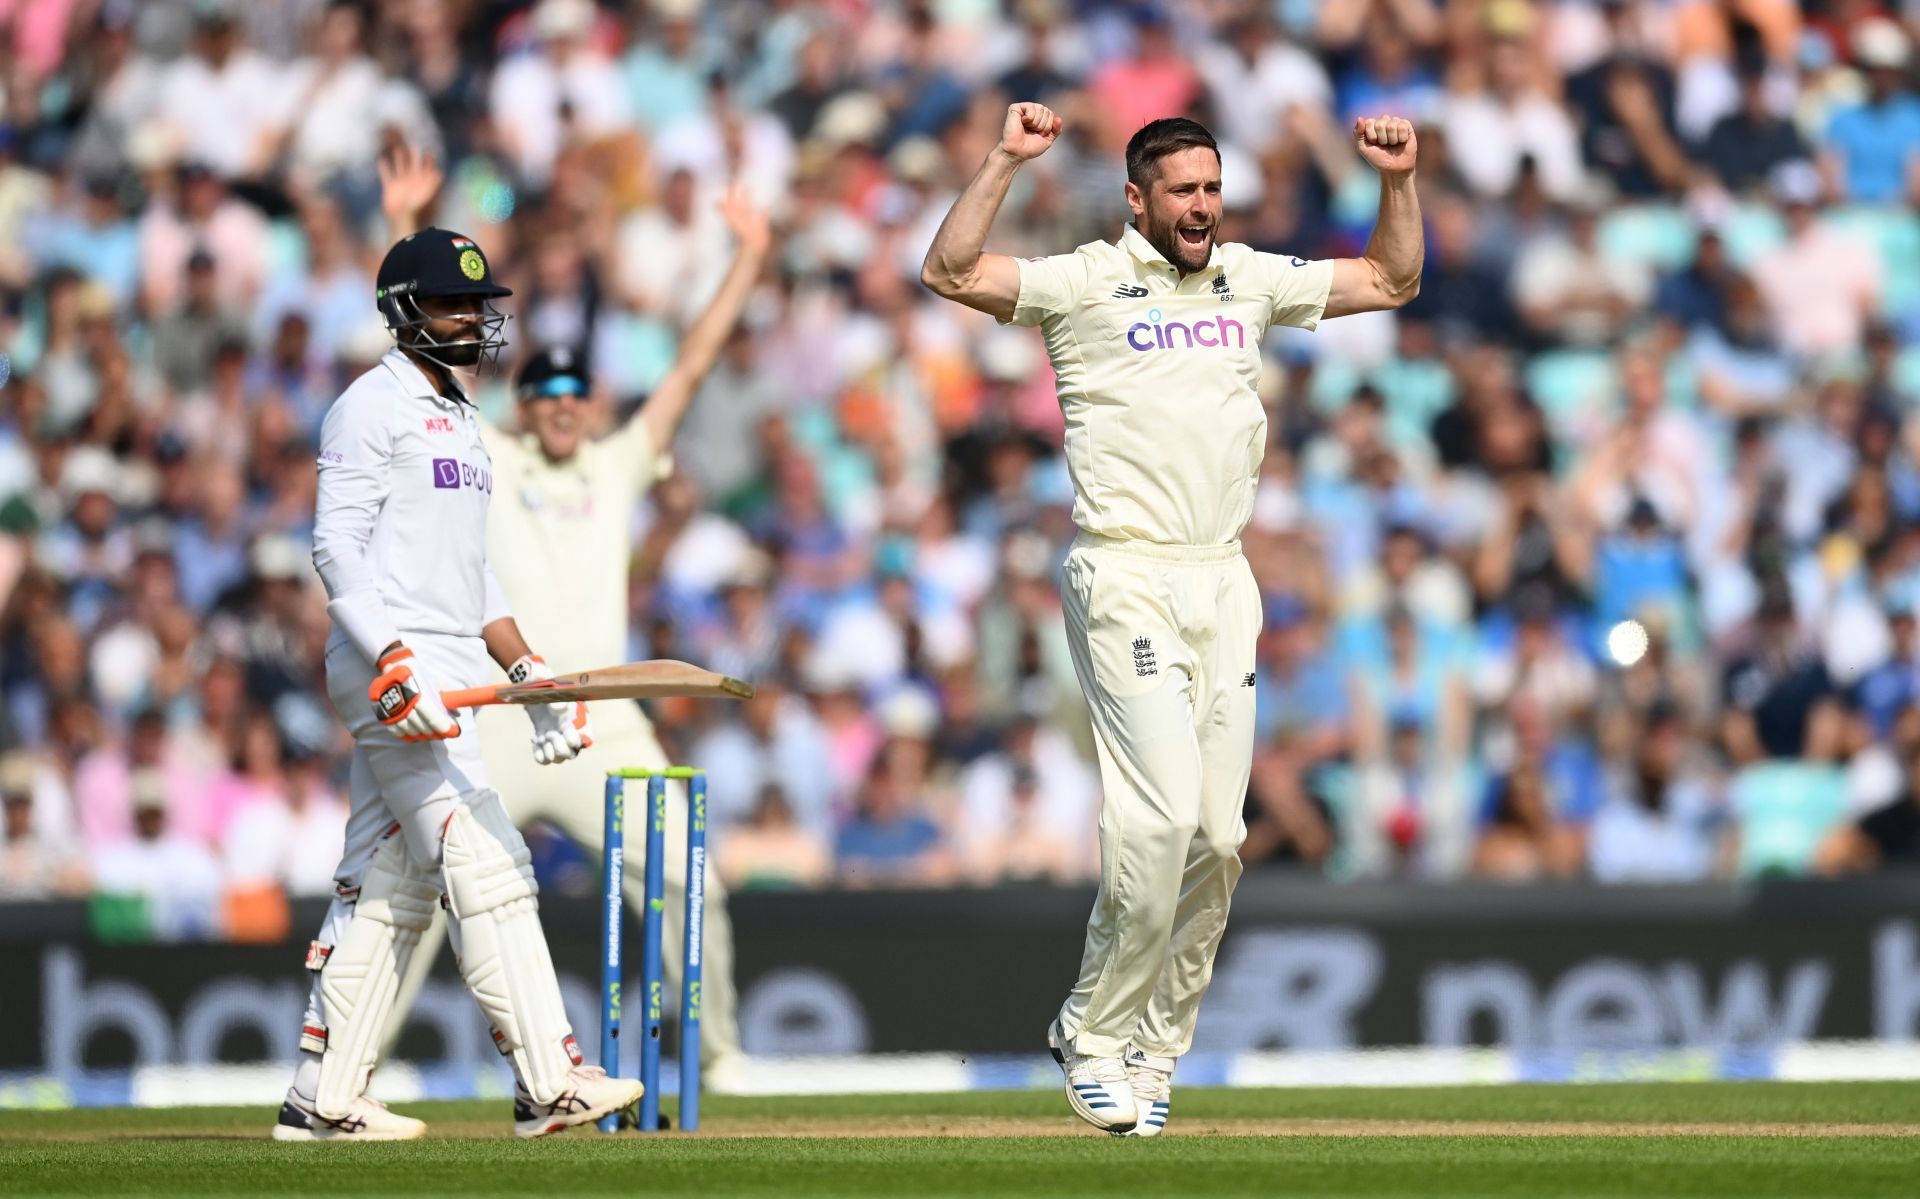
pixel 471 264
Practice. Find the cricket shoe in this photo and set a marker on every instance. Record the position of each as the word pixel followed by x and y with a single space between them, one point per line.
pixel 367 1120
pixel 1152 1081
pixel 590 1094
pixel 1096 1086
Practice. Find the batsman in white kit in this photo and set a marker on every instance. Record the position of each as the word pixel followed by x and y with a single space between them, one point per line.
pixel 1156 345
pixel 560 532
pixel 399 540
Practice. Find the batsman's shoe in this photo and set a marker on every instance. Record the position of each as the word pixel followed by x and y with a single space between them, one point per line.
pixel 590 1094
pixel 367 1120
pixel 1096 1086
pixel 1152 1081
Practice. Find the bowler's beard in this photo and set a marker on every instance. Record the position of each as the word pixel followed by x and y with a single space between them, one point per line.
pixel 1166 239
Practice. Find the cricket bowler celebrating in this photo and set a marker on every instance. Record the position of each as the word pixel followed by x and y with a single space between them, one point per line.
pixel 399 540
pixel 560 535
pixel 1155 341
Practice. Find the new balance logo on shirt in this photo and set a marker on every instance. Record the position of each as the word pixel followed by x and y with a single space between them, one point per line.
pixel 1129 291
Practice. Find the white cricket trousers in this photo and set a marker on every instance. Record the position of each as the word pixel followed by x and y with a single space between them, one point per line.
pixel 415 785
pixel 573 796
pixel 1163 641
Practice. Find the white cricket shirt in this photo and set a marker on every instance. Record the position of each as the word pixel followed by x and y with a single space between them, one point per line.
pixel 1159 379
pixel 561 537
pixel 401 523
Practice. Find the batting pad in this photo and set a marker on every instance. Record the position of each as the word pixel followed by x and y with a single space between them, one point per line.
pixel 361 976
pixel 503 953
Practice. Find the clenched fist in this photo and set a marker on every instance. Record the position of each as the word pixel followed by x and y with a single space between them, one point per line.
pixel 1387 143
pixel 1029 130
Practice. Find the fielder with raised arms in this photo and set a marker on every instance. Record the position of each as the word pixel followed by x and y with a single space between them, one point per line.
pixel 560 534
pixel 400 542
pixel 1155 342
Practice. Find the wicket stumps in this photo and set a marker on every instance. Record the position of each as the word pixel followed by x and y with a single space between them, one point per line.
pixel 612 920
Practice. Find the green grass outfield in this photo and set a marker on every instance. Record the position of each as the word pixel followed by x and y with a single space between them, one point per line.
pixel 1734 1139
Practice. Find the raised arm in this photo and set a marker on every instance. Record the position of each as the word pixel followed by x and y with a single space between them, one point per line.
pixel 662 412
pixel 1388 274
pixel 409 180
pixel 955 268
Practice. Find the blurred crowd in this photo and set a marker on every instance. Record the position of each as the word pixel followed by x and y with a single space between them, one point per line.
pixel 1601 559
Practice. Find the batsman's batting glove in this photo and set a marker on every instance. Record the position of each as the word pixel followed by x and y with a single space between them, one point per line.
pixel 560 731
pixel 406 704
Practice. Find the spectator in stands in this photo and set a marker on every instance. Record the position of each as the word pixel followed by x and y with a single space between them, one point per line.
pixel 177 876
pixel 770 851
pixel 1624 105
pixel 891 838
pixel 667 70
pixel 195 213
pixel 186 338
pixel 1523 841
pixel 224 103
pixel 1873 148
pixel 1021 847
pixel 1747 144
pixel 1154 81
pixel 1498 115
pixel 1288 820
pixel 1411 812
pixel 1301 689
pixel 1885 838
pixel 1060 811
pixel 1821 285
pixel 286 823
pixel 563 89
pixel 1893 687
pixel 775 741
pixel 1785 807
pixel 33 865
pixel 1770 690
pixel 1568 289
pixel 1261 83
pixel 1662 821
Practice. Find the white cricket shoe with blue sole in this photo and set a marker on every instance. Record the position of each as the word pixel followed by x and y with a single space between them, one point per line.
pixel 591 1093
pixel 1152 1081
pixel 367 1120
pixel 1096 1086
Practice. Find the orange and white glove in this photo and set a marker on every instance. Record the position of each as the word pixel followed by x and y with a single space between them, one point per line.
pixel 405 703
pixel 560 731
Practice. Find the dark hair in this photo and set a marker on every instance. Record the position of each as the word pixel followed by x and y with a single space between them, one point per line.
pixel 1157 139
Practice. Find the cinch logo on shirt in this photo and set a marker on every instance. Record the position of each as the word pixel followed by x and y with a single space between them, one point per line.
pixel 1209 334
pixel 451 474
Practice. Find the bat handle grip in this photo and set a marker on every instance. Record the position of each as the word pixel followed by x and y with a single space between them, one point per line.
pixel 470 697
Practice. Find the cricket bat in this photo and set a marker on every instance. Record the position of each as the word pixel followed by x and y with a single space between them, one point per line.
pixel 635 680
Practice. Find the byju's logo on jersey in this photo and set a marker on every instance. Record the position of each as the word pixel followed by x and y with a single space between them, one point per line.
pixel 451 474
pixel 1156 333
